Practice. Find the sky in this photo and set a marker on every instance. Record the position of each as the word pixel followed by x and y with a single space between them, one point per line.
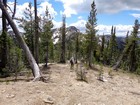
pixel 119 13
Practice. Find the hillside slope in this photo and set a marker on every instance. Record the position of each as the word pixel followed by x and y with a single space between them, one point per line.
pixel 64 89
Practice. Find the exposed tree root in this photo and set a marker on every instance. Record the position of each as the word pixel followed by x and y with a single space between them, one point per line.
pixel 41 79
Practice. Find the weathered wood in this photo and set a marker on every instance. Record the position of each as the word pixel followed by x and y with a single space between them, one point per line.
pixel 126 49
pixel 32 62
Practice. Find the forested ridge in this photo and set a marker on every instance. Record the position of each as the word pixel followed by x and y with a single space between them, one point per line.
pixel 39 36
pixel 65 61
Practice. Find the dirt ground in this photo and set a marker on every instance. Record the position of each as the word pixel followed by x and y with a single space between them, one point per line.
pixel 64 89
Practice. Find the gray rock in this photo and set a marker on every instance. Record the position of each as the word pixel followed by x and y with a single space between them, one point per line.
pixel 48 99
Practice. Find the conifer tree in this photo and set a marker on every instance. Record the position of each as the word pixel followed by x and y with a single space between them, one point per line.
pixel 130 50
pixel 46 38
pixel 91 34
pixel 63 30
pixel 124 64
pixel 113 46
pixel 102 48
pixel 4 40
pixel 134 46
pixel 103 42
pixel 3 50
pixel 126 39
pixel 33 64
pixel 28 26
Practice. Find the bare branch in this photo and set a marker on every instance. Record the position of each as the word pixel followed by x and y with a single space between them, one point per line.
pixel 14 12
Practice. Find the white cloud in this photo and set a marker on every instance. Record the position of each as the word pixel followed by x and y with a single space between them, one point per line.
pixel 42 8
pixel 103 6
pixel 121 30
pixel 80 17
pixel 114 6
pixel 57 24
pixel 21 8
pixel 80 24
pixel 136 15
pixel 75 6
pixel 42 0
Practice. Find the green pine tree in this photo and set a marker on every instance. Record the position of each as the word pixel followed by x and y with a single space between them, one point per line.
pixel 46 37
pixel 113 47
pixel 28 25
pixel 132 57
pixel 3 50
pixel 63 45
pixel 91 34
pixel 130 53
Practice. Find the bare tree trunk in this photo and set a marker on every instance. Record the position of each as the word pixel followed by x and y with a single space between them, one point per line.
pixel 47 51
pixel 4 32
pixel 3 18
pixel 126 49
pixel 14 12
pixel 115 67
pixel 33 64
pixel 90 57
pixel 77 47
pixel 36 33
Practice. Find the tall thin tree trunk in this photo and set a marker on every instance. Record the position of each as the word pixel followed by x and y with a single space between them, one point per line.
pixel 77 47
pixel 62 57
pixel 15 5
pixel 90 58
pixel 33 64
pixel 4 32
pixel 47 51
pixel 36 34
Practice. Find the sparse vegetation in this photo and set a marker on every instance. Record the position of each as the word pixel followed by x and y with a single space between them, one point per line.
pixel 81 71
pixel 76 56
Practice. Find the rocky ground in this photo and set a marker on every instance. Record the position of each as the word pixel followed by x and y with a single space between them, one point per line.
pixel 64 89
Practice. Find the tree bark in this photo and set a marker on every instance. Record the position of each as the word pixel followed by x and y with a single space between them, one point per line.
pixel 47 51
pixel 91 50
pixel 36 33
pixel 33 64
pixel 4 42
pixel 115 67
pixel 77 46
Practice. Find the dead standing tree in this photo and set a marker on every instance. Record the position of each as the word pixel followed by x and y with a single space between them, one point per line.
pixel 35 69
pixel 36 33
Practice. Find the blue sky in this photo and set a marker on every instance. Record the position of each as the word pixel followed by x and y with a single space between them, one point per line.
pixel 120 13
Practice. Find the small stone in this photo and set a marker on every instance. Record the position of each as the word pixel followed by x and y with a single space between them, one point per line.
pixel 49 100
pixel 39 91
pixel 10 95
pixel 102 78
pixel 30 92
pixel 78 104
pixel 3 91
